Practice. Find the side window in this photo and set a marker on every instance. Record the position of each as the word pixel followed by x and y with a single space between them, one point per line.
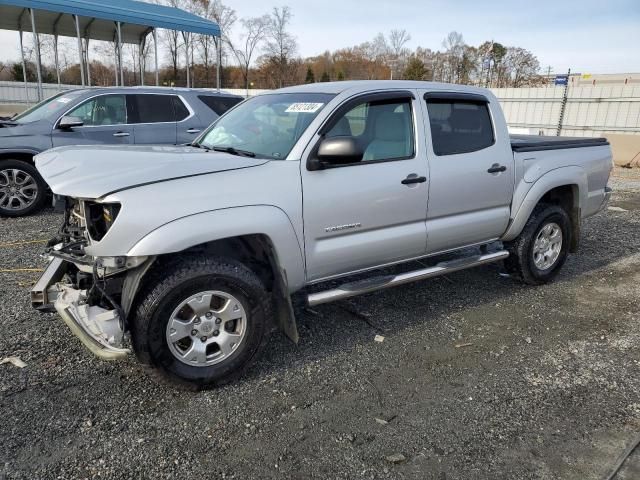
pixel 383 129
pixel 102 110
pixel 151 108
pixel 459 126
pixel 219 104
pixel 180 109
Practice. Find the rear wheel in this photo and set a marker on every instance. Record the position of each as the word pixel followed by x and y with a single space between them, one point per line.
pixel 202 321
pixel 538 253
pixel 22 189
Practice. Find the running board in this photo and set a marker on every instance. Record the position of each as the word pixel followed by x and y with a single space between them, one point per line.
pixel 378 283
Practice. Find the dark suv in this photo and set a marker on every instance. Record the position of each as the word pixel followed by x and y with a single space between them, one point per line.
pixel 134 115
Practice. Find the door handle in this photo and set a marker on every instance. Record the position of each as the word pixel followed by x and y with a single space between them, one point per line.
pixel 193 130
pixel 497 168
pixel 121 134
pixel 413 178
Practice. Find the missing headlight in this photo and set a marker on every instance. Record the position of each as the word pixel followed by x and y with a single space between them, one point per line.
pixel 100 218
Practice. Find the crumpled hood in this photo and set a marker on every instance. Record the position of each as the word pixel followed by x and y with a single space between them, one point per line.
pixel 97 170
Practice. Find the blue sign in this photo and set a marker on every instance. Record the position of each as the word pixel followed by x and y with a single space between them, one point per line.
pixel 561 80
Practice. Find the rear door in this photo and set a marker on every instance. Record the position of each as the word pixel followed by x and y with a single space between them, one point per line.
pixel 472 172
pixel 105 121
pixel 188 123
pixel 205 109
pixel 153 118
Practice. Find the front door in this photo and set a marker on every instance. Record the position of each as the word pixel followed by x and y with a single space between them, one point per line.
pixel 104 121
pixel 372 211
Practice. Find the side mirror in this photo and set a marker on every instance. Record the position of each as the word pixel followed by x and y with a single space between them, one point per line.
pixel 67 122
pixel 337 151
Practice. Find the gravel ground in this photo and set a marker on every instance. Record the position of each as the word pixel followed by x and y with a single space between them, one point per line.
pixel 477 377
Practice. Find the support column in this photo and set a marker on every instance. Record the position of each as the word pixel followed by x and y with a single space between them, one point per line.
pixel 36 41
pixel 77 22
pixel 115 57
pixel 119 27
pixel 185 36
pixel 87 36
pixel 86 60
pixel 141 59
pixel 24 70
pixel 56 59
pixel 219 62
pixel 155 53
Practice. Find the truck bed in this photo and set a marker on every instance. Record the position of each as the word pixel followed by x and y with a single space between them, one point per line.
pixel 533 143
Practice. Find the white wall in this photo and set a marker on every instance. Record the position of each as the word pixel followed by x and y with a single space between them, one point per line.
pixel 590 111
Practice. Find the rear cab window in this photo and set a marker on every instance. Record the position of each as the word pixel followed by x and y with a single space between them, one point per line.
pixel 460 124
pixel 219 104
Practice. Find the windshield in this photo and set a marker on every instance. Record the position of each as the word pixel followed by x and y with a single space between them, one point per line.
pixel 265 126
pixel 45 108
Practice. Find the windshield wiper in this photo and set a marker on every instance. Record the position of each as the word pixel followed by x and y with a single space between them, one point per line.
pixel 234 151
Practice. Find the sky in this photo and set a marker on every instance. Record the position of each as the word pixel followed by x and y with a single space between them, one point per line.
pixel 588 36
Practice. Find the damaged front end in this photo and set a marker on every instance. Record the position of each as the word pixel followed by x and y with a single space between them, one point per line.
pixel 93 295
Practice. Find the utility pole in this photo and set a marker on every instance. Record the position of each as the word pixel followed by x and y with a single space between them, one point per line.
pixel 563 105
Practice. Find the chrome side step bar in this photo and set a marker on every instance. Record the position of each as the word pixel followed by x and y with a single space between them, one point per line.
pixel 378 283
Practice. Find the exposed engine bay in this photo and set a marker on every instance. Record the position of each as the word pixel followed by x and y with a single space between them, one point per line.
pixel 91 294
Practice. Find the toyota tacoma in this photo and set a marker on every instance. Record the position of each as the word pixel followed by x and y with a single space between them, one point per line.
pixel 192 255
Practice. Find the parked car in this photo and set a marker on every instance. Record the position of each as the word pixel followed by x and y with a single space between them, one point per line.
pixel 122 116
pixel 197 250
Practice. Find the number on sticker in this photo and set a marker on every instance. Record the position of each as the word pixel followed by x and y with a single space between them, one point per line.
pixel 304 107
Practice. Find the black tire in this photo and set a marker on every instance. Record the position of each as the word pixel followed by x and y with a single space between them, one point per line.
pixel 172 283
pixel 520 262
pixel 38 197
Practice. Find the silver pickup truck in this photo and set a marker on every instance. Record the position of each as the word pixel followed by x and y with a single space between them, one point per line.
pixel 197 251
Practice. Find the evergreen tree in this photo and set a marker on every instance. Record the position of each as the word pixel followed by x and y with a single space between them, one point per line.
pixel 415 69
pixel 310 76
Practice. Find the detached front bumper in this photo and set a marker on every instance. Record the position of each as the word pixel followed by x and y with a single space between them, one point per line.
pixel 97 328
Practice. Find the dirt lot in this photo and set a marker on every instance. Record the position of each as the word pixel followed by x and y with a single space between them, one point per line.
pixel 477 377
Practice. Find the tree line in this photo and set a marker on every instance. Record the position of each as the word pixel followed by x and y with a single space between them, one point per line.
pixel 261 52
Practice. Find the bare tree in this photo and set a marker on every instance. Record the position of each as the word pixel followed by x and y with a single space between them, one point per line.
pixel 254 32
pixel 280 44
pixel 225 17
pixel 454 47
pixel 171 38
pixel 522 65
pixel 398 40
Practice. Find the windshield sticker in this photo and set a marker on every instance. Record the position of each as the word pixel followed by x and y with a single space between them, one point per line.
pixel 63 100
pixel 304 107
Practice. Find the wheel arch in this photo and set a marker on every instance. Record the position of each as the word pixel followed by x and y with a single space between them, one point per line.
pixel 23 155
pixel 261 237
pixel 566 187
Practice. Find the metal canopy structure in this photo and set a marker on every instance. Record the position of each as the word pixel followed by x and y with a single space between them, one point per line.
pixel 117 21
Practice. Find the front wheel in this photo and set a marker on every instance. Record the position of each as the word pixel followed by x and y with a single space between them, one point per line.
pixel 22 189
pixel 201 321
pixel 538 253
